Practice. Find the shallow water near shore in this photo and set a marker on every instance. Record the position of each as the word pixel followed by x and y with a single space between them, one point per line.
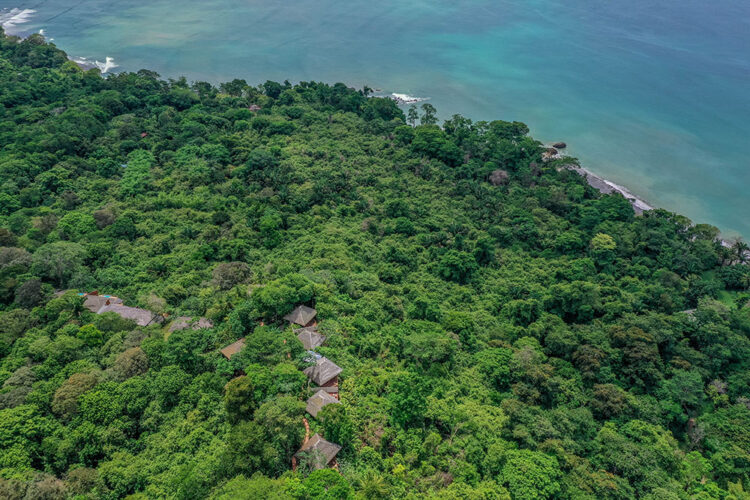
pixel 650 95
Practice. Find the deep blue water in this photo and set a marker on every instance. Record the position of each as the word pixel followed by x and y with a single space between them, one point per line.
pixel 654 96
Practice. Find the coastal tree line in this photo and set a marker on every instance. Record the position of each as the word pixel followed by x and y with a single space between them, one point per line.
pixel 505 330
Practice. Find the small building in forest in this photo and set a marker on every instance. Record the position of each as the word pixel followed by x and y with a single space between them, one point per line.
pixel 302 316
pixel 317 453
pixel 318 401
pixel 310 337
pixel 325 373
pixel 185 322
pixel 141 317
pixel 94 302
pixel 233 348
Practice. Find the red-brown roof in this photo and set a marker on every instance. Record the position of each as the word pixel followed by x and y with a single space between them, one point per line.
pixel 233 348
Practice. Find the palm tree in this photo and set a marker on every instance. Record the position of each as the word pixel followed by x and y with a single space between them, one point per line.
pixel 76 306
pixel 412 115
pixel 373 486
pixel 725 254
pixel 741 251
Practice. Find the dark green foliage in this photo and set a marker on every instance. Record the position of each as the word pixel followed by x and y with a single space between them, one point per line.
pixel 505 331
pixel 531 475
pixel 457 266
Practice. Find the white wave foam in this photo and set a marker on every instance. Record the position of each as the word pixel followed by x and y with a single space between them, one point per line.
pixel 104 67
pixel 639 203
pixel 407 99
pixel 107 65
pixel 41 32
pixel 11 18
pixel 607 186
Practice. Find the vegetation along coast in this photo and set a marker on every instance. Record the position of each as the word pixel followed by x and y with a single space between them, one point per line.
pixel 301 291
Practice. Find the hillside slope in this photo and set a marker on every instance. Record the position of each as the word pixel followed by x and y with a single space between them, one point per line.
pixel 504 330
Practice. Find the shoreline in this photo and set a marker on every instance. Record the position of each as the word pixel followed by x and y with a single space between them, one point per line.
pixel 12 20
pixel 608 187
pixel 605 186
pixel 599 183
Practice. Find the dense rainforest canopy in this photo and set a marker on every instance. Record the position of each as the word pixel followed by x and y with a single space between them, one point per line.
pixel 504 330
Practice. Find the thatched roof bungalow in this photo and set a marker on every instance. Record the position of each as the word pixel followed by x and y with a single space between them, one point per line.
pixel 324 372
pixel 302 316
pixel 185 322
pixel 141 317
pixel 94 302
pixel 318 401
pixel 332 390
pixel 310 337
pixel 319 452
pixel 233 348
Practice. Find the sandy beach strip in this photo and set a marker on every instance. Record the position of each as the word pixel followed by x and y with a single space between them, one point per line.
pixel 609 187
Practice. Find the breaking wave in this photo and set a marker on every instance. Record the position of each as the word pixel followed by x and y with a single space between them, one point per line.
pixel 11 18
pixel 407 99
pixel 639 203
pixel 105 67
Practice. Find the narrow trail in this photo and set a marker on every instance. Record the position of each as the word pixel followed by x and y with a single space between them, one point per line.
pixel 307 430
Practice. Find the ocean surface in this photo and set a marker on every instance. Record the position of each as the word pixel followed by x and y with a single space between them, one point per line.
pixel 652 95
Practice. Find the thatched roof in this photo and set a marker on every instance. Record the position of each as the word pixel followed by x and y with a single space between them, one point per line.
pixel 322 371
pixel 321 451
pixel 302 315
pixel 142 317
pixel 310 337
pixel 330 390
pixel 499 177
pixel 233 348
pixel 185 322
pixel 95 302
pixel 690 313
pixel 318 401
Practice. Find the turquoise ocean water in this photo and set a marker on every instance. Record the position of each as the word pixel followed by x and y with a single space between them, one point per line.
pixel 654 96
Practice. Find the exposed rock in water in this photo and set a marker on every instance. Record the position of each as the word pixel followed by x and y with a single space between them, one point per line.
pixel 499 177
pixel 559 145
pixel 549 154
pixel 403 99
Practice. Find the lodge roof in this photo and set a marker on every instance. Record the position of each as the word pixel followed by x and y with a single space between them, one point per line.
pixel 310 337
pixel 334 389
pixel 323 371
pixel 318 401
pixel 301 315
pixel 323 452
pixel 95 302
pixel 142 317
pixel 185 322
pixel 233 348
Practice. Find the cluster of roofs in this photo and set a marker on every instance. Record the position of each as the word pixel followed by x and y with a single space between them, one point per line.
pixel 100 304
pixel 323 373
